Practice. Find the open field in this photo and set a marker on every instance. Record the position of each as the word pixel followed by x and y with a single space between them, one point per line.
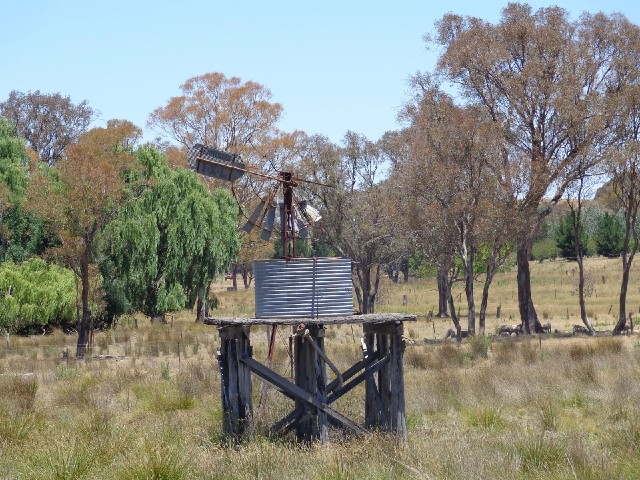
pixel 148 406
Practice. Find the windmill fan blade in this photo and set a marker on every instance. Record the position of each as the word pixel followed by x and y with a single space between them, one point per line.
pixel 267 228
pixel 256 216
pixel 302 230
pixel 308 212
pixel 312 213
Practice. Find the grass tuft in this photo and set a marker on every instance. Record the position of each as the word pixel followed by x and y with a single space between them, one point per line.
pixel 539 453
pixel 488 418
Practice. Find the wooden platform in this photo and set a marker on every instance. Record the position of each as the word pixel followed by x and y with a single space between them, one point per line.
pixel 370 318
pixel 381 368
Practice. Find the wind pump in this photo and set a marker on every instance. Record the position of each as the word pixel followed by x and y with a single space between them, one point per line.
pixel 296 215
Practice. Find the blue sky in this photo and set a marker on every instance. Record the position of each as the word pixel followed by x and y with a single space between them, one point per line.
pixel 333 65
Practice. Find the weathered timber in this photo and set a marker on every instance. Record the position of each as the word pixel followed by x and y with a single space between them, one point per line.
pixel 370 318
pixel 385 402
pixel 320 431
pixel 236 382
pixel 289 419
pixel 353 370
pixel 370 366
pixel 397 411
pixel 381 370
pixel 283 385
pixel 347 387
pixel 311 376
pixel 372 405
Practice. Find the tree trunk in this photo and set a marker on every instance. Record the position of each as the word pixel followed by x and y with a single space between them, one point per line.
pixel 468 289
pixel 454 316
pixel 235 276
pixel 373 293
pixel 485 299
pixel 202 305
pixel 367 306
pixel 404 268
pixel 630 196
pixel 628 252
pixel 443 293
pixel 84 327
pixel 528 314
pixel 366 292
pixel 624 285
pixel 583 307
pixel 247 276
pixel 580 260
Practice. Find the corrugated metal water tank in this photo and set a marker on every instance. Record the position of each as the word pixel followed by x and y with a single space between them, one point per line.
pixel 303 287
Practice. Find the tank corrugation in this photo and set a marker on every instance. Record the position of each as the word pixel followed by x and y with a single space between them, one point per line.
pixel 303 287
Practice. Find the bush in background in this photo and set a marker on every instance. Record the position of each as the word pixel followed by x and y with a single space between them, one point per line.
pixel 35 294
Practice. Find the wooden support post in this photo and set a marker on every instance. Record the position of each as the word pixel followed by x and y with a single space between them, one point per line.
pixel 373 405
pixel 311 375
pixel 385 402
pixel 235 382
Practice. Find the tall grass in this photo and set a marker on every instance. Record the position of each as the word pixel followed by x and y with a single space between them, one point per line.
pixel 510 408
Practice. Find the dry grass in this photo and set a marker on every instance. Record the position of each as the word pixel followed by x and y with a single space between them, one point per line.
pixel 513 408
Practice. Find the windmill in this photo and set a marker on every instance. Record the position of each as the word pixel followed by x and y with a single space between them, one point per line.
pixel 289 287
pixel 296 215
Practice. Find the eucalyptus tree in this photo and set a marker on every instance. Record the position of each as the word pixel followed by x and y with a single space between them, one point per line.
pixel 452 168
pixel 625 174
pixel 577 192
pixel 355 207
pixel 48 122
pixel 227 114
pixel 550 86
pixel 79 198
pixel 171 242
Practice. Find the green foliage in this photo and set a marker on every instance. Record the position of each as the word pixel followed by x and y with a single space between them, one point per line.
pixel 36 294
pixel 23 234
pixel 609 236
pixel 13 159
pixel 163 248
pixel 479 345
pixel 420 266
pixel 564 235
pixel 307 248
pixel 545 249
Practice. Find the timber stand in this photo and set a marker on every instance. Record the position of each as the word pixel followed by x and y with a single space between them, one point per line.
pixel 381 369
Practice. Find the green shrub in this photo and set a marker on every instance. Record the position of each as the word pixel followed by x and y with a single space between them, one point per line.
pixel 609 236
pixel 34 294
pixel 565 238
pixel 479 345
pixel 545 249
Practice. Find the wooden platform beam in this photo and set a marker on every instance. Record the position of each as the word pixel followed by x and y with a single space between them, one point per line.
pixel 381 369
